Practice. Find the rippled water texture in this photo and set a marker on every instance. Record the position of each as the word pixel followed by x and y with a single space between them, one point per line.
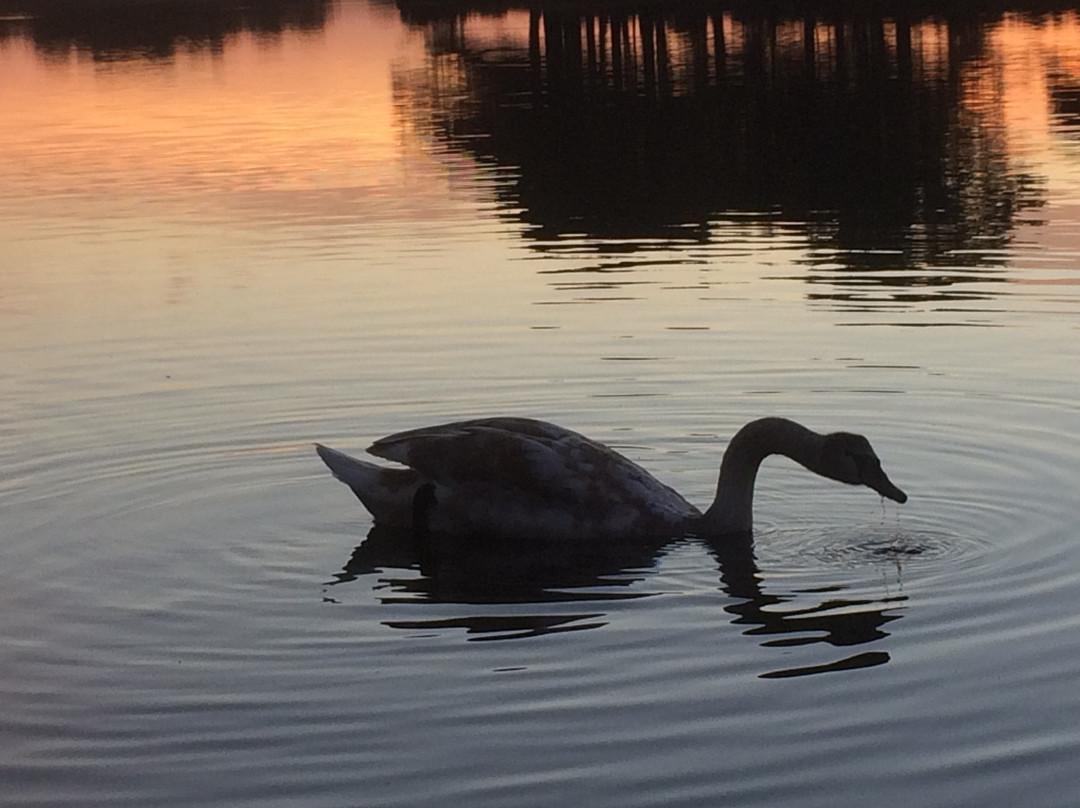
pixel 231 230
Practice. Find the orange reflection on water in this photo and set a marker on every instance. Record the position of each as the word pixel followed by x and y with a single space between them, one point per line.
pixel 305 112
pixel 1040 70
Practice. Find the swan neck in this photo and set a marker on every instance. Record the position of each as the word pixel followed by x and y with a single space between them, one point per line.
pixel 732 511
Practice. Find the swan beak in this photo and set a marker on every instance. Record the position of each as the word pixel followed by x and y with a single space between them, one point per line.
pixel 875 478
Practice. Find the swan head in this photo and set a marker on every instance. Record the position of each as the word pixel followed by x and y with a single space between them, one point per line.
pixel 849 458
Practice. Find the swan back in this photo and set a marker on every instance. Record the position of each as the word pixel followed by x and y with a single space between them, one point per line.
pixel 529 477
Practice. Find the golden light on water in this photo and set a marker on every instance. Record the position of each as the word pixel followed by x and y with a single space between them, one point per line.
pixel 245 119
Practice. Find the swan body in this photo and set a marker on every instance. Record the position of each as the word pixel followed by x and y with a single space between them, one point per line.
pixel 532 480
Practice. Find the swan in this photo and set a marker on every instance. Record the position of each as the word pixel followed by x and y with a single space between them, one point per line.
pixel 503 477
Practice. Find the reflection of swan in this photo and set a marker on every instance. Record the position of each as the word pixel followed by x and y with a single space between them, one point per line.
pixel 839 620
pixel 467 570
pixel 578 576
pixel 530 480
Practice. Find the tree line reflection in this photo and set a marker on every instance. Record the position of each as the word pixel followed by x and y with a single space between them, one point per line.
pixel 884 133
pixel 121 30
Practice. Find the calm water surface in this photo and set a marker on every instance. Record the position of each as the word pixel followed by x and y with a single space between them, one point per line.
pixel 231 231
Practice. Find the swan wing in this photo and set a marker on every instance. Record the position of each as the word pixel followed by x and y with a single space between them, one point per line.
pixel 526 458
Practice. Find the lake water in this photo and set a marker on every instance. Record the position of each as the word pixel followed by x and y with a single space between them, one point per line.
pixel 230 230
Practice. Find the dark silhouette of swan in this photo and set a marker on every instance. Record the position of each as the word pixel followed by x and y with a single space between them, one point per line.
pixel 535 481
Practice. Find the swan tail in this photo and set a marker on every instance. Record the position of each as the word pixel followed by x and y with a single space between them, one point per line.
pixel 387 493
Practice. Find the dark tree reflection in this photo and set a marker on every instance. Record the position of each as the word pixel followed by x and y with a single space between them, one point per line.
pixel 881 131
pixel 121 30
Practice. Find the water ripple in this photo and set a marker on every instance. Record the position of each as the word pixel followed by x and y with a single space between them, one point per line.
pixel 915 549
